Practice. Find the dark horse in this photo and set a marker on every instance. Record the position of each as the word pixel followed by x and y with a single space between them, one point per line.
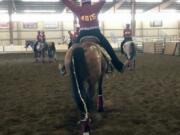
pixel 86 65
pixel 40 49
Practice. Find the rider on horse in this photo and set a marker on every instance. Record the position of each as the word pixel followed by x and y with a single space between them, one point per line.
pixel 41 36
pixel 89 26
pixel 127 36
pixel 73 37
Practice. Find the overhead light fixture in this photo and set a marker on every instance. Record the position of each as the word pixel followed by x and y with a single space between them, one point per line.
pixel 39 11
pixel 109 0
pixel 154 1
pixel 40 0
pixel 3 11
pixel 98 0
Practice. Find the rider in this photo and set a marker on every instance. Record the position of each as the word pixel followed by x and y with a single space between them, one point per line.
pixel 43 37
pixel 127 33
pixel 89 25
pixel 73 37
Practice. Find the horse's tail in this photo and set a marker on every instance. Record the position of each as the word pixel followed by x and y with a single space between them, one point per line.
pixel 79 73
pixel 53 46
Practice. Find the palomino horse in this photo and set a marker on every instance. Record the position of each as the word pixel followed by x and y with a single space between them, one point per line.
pixel 129 49
pixel 86 64
pixel 40 49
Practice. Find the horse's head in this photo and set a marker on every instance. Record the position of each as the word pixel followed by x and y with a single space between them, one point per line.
pixel 29 43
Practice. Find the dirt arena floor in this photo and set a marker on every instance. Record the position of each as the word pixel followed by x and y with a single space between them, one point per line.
pixel 36 100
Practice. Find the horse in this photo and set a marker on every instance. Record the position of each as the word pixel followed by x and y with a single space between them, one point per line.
pixel 86 65
pixel 40 48
pixel 129 50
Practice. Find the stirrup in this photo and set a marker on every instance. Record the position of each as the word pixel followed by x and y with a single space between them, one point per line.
pixel 62 71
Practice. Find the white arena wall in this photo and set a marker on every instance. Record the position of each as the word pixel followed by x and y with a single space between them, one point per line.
pixel 22 49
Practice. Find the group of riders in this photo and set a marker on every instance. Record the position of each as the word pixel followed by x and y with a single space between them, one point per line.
pixel 87 15
pixel 89 26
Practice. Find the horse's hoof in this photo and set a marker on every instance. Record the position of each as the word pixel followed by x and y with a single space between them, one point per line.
pixel 85 126
pixel 100 109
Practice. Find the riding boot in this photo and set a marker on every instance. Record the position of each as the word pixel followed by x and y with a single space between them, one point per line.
pixel 85 126
pixel 115 61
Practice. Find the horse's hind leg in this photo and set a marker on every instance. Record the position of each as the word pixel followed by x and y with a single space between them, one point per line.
pixel 90 95
pixel 100 107
pixel 134 64
pixel 43 55
pixel 35 56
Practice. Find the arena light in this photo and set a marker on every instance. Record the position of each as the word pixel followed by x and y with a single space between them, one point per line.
pixel 31 17
pixel 98 0
pixel 154 1
pixel 40 0
pixel 4 18
pixel 178 1
pixel 149 16
pixel 39 11
pixel 169 11
pixel 3 11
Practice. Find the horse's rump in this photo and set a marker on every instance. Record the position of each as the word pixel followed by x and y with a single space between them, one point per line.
pixel 95 60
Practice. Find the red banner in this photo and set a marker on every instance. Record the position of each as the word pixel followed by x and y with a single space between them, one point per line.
pixel 30 25
pixel 4 25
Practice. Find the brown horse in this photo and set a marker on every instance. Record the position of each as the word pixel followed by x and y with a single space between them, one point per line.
pixel 86 64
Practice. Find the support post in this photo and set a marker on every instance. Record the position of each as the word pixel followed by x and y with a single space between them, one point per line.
pixel 10 11
pixel 133 20
pixel 179 30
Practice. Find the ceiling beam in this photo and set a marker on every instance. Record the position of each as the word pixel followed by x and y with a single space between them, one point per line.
pixel 161 6
pixel 116 5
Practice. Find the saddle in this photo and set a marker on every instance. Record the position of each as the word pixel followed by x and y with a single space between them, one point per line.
pixel 90 39
pixel 96 43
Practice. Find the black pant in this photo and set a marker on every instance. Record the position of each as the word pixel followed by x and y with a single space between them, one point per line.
pixel 123 42
pixel 105 44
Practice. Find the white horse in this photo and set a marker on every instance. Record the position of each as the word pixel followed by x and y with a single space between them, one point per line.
pixel 129 49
